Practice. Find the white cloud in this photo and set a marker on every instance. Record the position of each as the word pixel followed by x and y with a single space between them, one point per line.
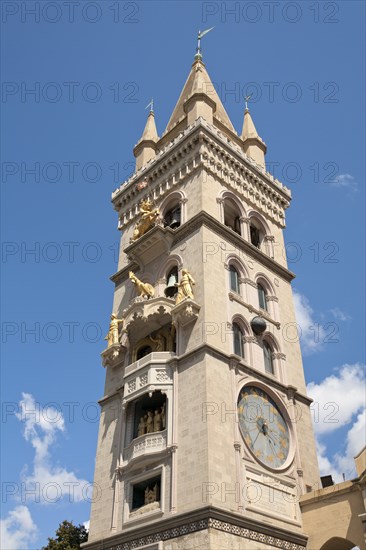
pixel 311 332
pixel 87 525
pixel 339 400
pixel 344 180
pixel 340 315
pixel 18 530
pixel 344 464
pixel 47 483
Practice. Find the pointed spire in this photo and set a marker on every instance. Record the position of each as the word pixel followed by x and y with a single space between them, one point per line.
pixel 150 132
pixel 146 148
pixel 254 146
pixel 249 130
pixel 199 98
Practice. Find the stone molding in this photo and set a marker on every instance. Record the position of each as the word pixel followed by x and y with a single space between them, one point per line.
pixel 113 355
pixel 240 244
pixel 199 520
pixel 260 312
pixel 233 361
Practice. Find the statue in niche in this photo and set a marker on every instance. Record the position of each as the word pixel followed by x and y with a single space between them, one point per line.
pixel 159 342
pixel 157 421
pixel 141 428
pixel 113 333
pixel 150 423
pixel 163 417
pixel 148 218
pixel 145 290
pixel 185 287
pixel 151 495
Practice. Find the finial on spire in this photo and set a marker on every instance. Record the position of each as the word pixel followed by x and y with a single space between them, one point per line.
pixel 198 55
pixel 151 105
pixel 246 99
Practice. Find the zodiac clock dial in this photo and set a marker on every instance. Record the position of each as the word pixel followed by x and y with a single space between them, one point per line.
pixel 263 427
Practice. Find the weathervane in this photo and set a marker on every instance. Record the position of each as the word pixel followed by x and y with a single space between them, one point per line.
pixel 246 99
pixel 151 105
pixel 201 35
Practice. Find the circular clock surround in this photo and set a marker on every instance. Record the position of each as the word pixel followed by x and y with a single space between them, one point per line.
pixel 264 427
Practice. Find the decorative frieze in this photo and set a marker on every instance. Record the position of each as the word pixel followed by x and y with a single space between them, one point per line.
pixel 209 523
pixel 202 145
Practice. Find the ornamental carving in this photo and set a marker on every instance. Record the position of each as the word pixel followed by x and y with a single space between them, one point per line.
pixel 209 523
pixel 113 355
pixel 186 312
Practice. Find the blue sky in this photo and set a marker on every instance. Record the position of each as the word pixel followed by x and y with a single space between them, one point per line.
pixel 93 67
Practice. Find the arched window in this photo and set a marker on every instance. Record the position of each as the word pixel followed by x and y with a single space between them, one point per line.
pixel 172 217
pixel 232 216
pixel 268 360
pixel 262 297
pixel 234 279
pixel 144 350
pixel 172 278
pixel 238 340
pixel 255 235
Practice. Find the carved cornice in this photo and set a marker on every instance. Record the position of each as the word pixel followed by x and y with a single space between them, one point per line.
pixel 207 517
pixel 203 145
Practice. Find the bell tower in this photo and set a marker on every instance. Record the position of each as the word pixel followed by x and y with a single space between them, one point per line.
pixel 205 437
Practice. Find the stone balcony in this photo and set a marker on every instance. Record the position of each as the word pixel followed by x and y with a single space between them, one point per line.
pixel 147 444
pixel 148 374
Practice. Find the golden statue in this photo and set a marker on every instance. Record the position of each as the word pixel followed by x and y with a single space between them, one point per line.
pixel 148 218
pixel 163 425
pixel 157 421
pixel 185 285
pixel 150 422
pixel 113 333
pixel 141 428
pixel 151 495
pixel 159 342
pixel 143 289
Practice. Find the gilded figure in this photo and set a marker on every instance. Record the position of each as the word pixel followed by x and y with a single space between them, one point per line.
pixel 113 333
pixel 185 287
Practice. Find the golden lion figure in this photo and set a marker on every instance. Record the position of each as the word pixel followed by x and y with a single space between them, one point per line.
pixel 143 289
pixel 148 218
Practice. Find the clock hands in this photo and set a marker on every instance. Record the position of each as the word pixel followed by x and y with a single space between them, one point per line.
pixel 255 439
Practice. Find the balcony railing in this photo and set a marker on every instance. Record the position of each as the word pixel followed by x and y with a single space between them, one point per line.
pixel 147 374
pixel 154 357
pixel 146 445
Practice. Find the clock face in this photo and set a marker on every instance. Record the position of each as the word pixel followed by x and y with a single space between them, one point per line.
pixel 263 427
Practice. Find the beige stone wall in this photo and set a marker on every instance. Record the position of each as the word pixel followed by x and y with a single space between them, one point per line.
pixel 334 512
pixel 104 475
pixel 192 438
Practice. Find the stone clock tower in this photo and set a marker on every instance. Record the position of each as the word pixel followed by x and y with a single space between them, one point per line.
pixel 205 438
